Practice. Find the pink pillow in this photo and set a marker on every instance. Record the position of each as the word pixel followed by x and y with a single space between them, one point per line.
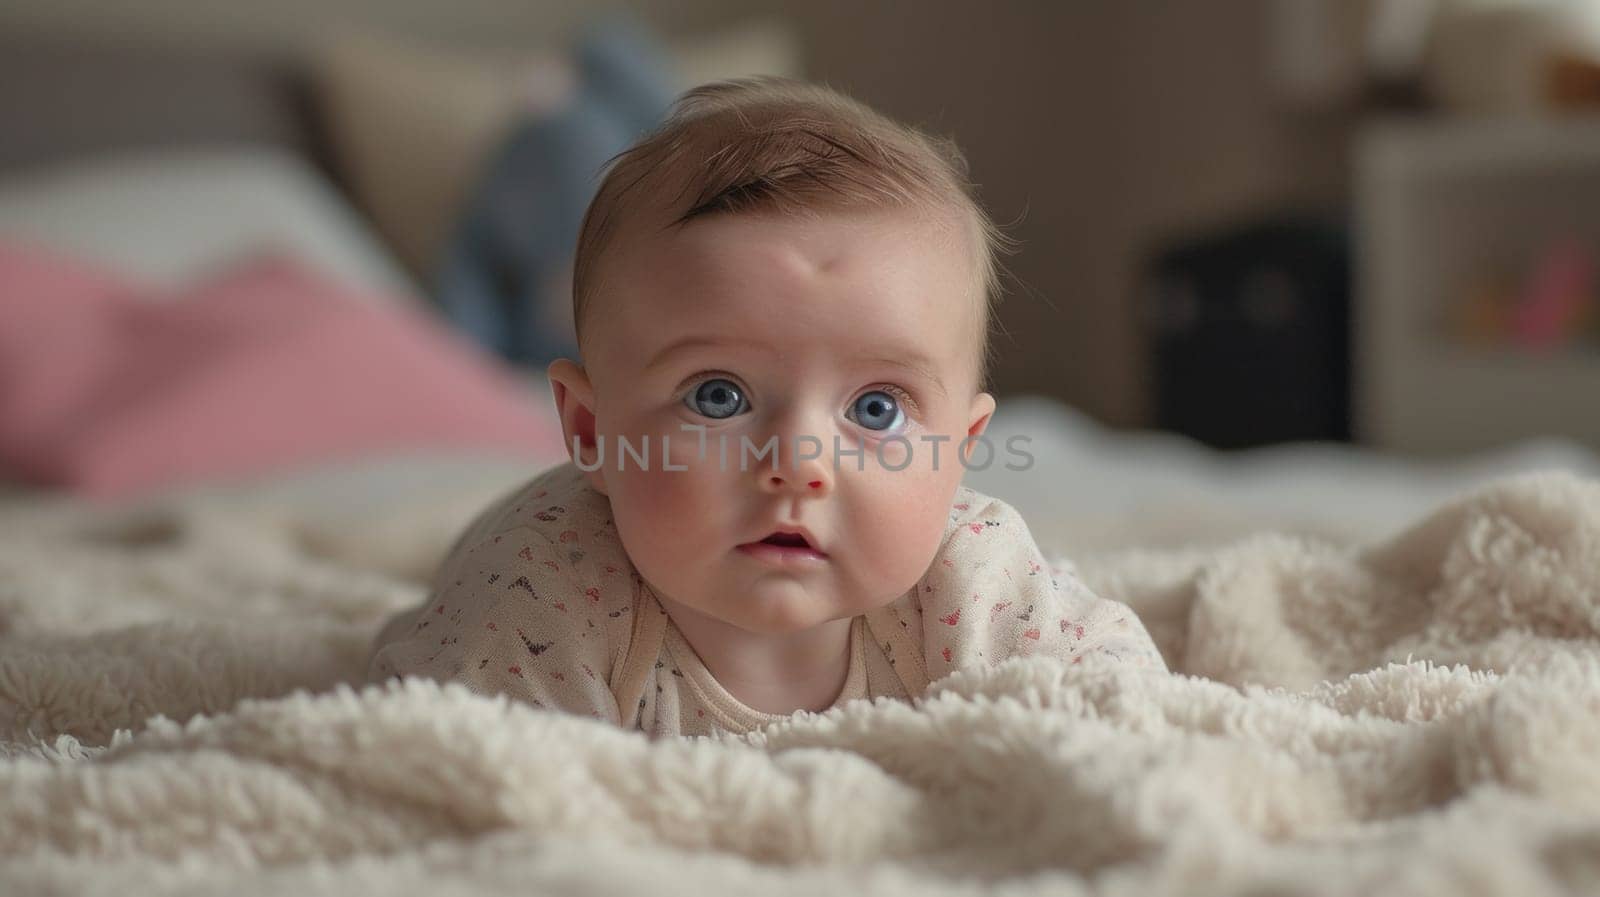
pixel 57 337
pixel 263 367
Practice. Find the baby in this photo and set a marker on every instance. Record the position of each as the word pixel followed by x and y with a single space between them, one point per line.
pixel 782 302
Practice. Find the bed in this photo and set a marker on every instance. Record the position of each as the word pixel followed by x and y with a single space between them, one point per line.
pixel 1386 674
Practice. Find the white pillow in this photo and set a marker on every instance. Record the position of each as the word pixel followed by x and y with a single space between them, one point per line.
pixel 166 217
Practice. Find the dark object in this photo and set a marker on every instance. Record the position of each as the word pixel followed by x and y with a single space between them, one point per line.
pixel 1250 331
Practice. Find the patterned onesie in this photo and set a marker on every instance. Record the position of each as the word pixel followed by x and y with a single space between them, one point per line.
pixel 538 600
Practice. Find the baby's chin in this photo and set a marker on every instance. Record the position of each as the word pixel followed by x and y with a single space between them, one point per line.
pixel 771 606
pixel 781 624
pixel 775 615
pixel 792 614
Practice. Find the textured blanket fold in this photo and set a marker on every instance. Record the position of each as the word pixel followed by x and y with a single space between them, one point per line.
pixel 1419 715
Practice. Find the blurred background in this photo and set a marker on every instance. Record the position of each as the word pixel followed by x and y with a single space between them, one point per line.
pixel 1243 223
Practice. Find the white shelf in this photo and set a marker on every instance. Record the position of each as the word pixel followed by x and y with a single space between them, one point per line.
pixel 1438 204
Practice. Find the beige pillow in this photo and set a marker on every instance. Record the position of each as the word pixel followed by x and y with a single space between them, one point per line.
pixel 412 125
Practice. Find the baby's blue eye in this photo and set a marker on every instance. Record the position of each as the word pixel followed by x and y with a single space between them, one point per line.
pixel 877 410
pixel 717 398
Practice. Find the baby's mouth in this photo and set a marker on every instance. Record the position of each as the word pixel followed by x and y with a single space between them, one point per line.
pixel 784 545
pixel 792 540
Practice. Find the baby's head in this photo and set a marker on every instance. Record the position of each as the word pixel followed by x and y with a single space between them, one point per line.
pixel 782 301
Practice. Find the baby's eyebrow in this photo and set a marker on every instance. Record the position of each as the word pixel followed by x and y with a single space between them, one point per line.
pixel 918 364
pixel 695 342
pixel 913 362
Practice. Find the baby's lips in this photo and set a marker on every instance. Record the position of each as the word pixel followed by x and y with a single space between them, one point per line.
pixel 796 537
pixel 792 535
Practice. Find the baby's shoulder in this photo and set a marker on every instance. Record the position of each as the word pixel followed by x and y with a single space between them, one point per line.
pixel 555 526
pixel 547 557
pixel 982 531
pixel 973 513
pixel 557 500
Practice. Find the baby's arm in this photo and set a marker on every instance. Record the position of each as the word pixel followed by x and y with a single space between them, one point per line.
pixel 510 615
pixel 991 595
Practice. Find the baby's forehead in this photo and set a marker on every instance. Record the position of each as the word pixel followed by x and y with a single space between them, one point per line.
pixel 775 246
pixel 869 255
pixel 862 283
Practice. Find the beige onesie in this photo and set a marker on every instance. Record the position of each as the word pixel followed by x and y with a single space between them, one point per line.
pixel 538 600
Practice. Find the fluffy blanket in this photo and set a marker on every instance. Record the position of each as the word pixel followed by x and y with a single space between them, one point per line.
pixel 1417 715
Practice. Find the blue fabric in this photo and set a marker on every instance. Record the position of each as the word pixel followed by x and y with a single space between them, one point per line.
pixel 502 273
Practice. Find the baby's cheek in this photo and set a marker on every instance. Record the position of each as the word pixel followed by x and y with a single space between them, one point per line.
pixel 895 455
pixel 690 449
pixel 902 526
pixel 660 514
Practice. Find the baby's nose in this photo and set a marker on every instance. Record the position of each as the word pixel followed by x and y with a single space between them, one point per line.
pixel 797 481
pixel 798 473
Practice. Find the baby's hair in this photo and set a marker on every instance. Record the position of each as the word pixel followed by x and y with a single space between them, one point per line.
pixel 774 144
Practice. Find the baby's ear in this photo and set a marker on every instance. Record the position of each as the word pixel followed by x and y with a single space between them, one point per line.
pixel 574 397
pixel 977 421
pixel 978 417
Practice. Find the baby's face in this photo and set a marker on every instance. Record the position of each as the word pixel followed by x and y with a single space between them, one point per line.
pixel 840 330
